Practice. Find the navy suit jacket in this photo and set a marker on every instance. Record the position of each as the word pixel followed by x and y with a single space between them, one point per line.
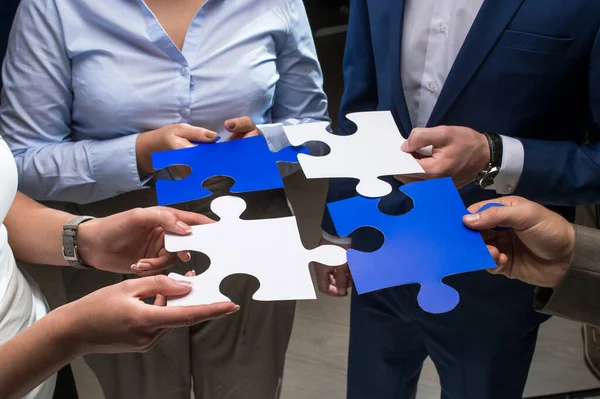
pixel 529 69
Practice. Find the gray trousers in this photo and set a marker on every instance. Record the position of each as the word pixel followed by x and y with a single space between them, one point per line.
pixel 239 357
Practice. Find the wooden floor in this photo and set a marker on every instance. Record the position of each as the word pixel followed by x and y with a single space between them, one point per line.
pixel 316 362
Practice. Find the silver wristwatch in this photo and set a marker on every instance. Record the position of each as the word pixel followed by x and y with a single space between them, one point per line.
pixel 69 242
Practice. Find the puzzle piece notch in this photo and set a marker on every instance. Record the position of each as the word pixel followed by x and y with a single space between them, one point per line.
pixel 370 153
pixel 249 162
pixel 269 249
pixel 423 246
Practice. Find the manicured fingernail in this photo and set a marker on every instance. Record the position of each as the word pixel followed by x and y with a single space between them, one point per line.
pixel 141 267
pixel 184 283
pixel 232 311
pixel 193 272
pixel 187 229
pixel 212 135
pixel 474 217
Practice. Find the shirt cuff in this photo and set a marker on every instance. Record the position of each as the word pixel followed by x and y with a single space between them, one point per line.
pixel 335 239
pixel 114 163
pixel 513 158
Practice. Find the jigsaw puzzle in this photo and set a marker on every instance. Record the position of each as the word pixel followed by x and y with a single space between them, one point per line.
pixel 372 152
pixel 249 162
pixel 269 249
pixel 423 246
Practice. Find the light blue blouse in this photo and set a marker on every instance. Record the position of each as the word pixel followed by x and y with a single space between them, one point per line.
pixel 82 78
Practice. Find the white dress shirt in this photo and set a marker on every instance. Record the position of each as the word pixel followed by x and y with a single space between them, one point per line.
pixel 433 34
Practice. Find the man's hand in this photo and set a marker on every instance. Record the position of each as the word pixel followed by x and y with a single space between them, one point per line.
pixel 115 319
pixel 537 249
pixel 133 241
pixel 336 280
pixel 458 152
pixel 241 128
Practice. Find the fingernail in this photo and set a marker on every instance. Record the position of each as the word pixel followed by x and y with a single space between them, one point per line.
pixel 231 125
pixel 234 310
pixel 193 272
pixel 212 135
pixel 184 283
pixel 187 229
pixel 189 257
pixel 141 267
pixel 474 217
pixel 404 146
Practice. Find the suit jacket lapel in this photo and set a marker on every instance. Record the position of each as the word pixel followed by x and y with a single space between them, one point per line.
pixel 396 26
pixel 492 20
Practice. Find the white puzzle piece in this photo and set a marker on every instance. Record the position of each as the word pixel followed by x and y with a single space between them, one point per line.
pixel 372 152
pixel 268 249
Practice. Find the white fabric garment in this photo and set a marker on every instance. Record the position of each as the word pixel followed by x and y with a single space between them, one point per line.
pixel 433 34
pixel 21 301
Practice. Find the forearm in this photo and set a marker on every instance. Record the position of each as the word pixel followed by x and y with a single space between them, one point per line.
pixel 35 355
pixel 35 232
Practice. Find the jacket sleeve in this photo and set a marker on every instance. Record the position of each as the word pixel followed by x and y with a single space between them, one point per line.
pixel 563 172
pixel 360 92
pixel 577 297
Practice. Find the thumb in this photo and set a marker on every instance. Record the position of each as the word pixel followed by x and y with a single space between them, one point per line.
pixel 196 134
pixel 421 138
pixel 240 125
pixel 149 287
pixel 511 217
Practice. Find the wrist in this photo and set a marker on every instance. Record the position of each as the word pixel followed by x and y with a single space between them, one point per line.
pixel 86 243
pixel 65 332
pixel 485 151
pixel 143 155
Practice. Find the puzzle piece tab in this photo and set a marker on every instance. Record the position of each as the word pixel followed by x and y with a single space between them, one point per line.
pixel 423 246
pixel 269 249
pixel 249 162
pixel 372 152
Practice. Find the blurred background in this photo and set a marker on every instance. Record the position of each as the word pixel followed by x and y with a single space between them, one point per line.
pixel 316 364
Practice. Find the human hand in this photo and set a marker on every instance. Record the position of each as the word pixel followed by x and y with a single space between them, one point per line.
pixel 537 249
pixel 116 320
pixel 333 280
pixel 133 241
pixel 170 137
pixel 241 128
pixel 458 152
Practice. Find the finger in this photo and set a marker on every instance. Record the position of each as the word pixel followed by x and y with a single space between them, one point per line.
pixel 506 216
pixel 425 137
pixel 341 281
pixel 191 273
pixel 149 287
pixel 160 300
pixel 185 316
pixel 506 201
pixel 407 179
pixel 196 134
pixel 323 274
pixel 189 218
pixel 184 256
pixel 494 252
pixel 241 125
pixel 151 266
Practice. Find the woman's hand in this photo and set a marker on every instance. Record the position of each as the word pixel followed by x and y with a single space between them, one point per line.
pixel 241 128
pixel 116 320
pixel 133 241
pixel 171 137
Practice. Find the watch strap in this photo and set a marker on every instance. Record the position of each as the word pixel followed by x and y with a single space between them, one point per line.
pixel 69 242
pixel 495 143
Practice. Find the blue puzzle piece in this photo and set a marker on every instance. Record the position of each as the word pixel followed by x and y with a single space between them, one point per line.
pixel 249 162
pixel 423 246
